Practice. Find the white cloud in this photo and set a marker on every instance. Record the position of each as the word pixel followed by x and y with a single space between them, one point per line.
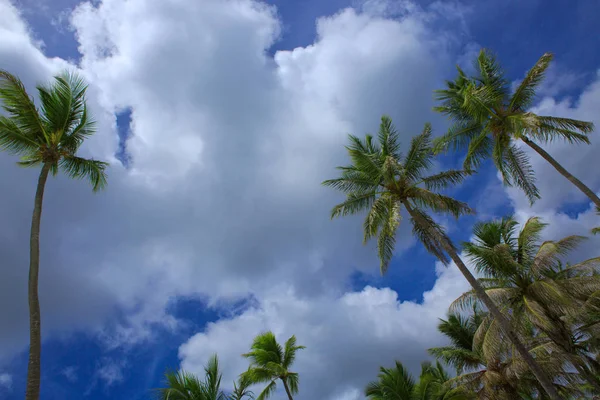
pixel 229 148
pixel 347 337
pixel 6 381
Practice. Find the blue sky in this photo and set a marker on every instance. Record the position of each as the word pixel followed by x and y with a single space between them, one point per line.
pixel 118 344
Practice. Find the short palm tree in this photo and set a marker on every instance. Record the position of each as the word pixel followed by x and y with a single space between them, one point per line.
pixel 530 281
pixel 392 384
pixel 490 370
pixel 241 389
pixel 271 363
pixel 381 182
pixel 489 119
pixel 435 384
pixel 183 385
pixel 47 137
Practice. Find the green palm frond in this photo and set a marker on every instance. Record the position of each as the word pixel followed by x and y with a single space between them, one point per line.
pixel 20 107
pixel 241 389
pixel 290 351
pixel 523 96
pixel 267 391
pixel 82 168
pixel 519 172
pixel 14 141
pixel 392 384
pixel 445 179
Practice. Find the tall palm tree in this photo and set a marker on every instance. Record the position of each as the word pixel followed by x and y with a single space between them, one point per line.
pixel 489 119
pixel 381 182
pixel 531 282
pixel 270 363
pixel 46 137
pixel 183 385
pixel 392 384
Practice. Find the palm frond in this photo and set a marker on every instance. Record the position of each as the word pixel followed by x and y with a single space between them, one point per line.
pixel 419 156
pixel 445 179
pixel 20 107
pixel 524 95
pixel 82 168
pixel 521 172
pixel 13 140
pixel 430 235
pixel 267 391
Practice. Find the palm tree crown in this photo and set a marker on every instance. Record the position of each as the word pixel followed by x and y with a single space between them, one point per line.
pixel 183 385
pixel 489 118
pixel 381 181
pixel 52 134
pixel 271 362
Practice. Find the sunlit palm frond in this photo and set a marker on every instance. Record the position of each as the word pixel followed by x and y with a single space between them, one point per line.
pixel 20 107
pixel 524 95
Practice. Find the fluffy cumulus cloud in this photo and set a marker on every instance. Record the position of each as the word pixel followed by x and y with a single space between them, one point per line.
pixel 222 200
pixel 347 338
pixel 229 145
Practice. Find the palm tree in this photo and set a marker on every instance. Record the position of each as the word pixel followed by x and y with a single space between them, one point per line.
pixel 381 182
pixel 391 384
pixel 435 384
pixel 183 385
pixel 489 119
pixel 48 137
pixel 489 369
pixel 530 281
pixel 241 389
pixel 270 363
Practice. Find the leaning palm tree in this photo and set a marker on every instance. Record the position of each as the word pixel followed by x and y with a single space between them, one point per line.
pixel 392 384
pixel 183 385
pixel 532 283
pixel 489 119
pixel 271 363
pixel 381 182
pixel 47 137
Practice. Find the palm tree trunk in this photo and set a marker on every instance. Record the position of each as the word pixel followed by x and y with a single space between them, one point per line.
pixel 580 185
pixel 35 341
pixel 502 320
pixel 287 389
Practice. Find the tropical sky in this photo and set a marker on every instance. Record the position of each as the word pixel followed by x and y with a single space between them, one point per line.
pixel 220 119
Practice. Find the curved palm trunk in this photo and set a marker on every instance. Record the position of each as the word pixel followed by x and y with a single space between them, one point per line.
pixel 32 391
pixel 502 320
pixel 287 389
pixel 580 185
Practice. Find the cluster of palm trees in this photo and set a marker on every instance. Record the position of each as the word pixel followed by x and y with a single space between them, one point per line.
pixel 270 363
pixel 533 331
pixel 554 307
pixel 535 327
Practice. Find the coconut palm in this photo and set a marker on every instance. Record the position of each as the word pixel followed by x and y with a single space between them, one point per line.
pixel 435 384
pixel 183 385
pixel 270 363
pixel 46 137
pixel 530 281
pixel 392 384
pixel 381 182
pixel 489 120
pixel 241 389
pixel 486 366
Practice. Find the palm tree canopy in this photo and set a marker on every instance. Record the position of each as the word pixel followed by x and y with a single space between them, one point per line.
pixel 488 117
pixel 269 361
pixel 52 134
pixel 183 385
pixel 391 384
pixel 380 180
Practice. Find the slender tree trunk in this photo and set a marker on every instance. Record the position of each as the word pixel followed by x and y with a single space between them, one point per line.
pixel 35 341
pixel 287 389
pixel 502 320
pixel 580 185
